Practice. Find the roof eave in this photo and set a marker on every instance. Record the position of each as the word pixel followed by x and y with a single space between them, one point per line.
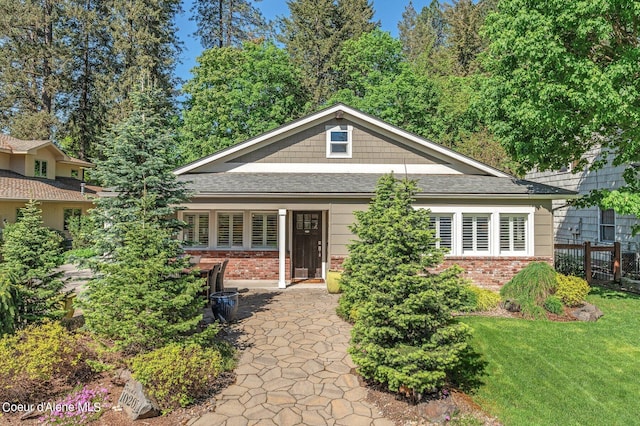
pixel 371 194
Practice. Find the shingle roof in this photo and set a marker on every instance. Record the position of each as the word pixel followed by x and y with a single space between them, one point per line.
pixel 14 186
pixel 361 184
pixel 9 142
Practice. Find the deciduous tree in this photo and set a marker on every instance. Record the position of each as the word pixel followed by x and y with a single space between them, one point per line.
pixel 238 93
pixel 564 81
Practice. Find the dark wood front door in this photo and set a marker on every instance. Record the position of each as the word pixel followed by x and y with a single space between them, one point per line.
pixel 307 245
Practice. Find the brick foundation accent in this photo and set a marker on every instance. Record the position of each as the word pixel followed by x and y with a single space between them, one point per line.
pixel 246 265
pixel 488 272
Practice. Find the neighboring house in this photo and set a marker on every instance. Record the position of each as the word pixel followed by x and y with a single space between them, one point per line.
pixel 38 170
pixel 279 205
pixel 598 226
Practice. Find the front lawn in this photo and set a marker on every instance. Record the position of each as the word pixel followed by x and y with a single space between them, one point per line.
pixel 553 373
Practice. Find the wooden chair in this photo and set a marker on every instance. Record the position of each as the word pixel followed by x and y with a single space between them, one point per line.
pixel 220 277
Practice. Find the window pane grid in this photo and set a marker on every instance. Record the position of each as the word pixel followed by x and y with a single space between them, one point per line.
pixel 513 233
pixel 475 233
pixel 264 230
pixel 197 229
pixel 442 226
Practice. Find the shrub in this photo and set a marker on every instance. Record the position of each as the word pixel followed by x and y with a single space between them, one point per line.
pixel 404 335
pixel 530 288
pixel 82 230
pixel 481 299
pixel 571 290
pixel 88 406
pixel 554 305
pixel 143 299
pixel 36 358
pixel 176 375
pixel 31 253
pixel 392 238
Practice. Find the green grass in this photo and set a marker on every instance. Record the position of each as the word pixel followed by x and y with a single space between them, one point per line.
pixel 551 373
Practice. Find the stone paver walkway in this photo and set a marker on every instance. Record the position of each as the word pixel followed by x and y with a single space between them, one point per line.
pixel 294 368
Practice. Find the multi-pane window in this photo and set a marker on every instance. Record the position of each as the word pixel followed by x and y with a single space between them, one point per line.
pixel 443 230
pixel 264 230
pixel 40 168
pixel 197 230
pixel 607 225
pixel 339 141
pixel 68 214
pixel 513 233
pixel 230 230
pixel 475 233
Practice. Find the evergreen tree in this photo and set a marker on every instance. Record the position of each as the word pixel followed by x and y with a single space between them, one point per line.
pixel 379 81
pixel 313 35
pixel 31 253
pixel 404 335
pixel 31 59
pixel 464 19
pixel 146 46
pixel 225 23
pixel 139 156
pixel 238 93
pixel 142 298
pixel 87 96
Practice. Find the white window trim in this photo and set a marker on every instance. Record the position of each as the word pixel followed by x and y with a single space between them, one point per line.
pixel 490 240
pixel 349 142
pixel 527 235
pixel 195 212
pixel 244 231
pixel 494 228
pixel 250 233
pixel 38 173
pixel 600 225
pixel 437 229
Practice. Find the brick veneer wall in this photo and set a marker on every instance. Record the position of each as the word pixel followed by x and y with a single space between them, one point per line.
pixel 246 265
pixel 487 272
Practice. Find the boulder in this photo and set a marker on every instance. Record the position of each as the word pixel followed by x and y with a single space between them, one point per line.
pixel 438 411
pixel 136 402
pixel 586 312
pixel 511 305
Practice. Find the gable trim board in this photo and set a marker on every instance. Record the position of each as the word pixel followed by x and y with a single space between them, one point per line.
pixel 451 184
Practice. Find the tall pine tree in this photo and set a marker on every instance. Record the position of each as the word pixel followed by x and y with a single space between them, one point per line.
pixel 31 58
pixel 225 23
pixel 314 33
pixel 139 154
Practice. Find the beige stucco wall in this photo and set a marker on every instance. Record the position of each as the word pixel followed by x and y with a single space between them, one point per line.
pixel 44 154
pixel 64 170
pixel 309 146
pixel 17 164
pixel 5 161
pixel 52 212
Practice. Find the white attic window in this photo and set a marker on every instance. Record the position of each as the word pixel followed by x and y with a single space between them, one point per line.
pixel 339 141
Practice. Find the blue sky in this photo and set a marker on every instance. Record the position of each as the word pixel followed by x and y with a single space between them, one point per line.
pixel 388 12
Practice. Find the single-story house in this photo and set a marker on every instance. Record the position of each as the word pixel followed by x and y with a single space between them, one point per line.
pixel 279 205
pixel 39 170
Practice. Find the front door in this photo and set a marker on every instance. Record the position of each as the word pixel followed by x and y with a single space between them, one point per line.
pixel 307 245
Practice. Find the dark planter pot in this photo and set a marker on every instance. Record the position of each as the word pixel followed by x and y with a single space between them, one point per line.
pixel 224 305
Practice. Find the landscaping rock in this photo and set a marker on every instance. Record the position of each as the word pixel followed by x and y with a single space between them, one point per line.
pixel 136 403
pixel 439 411
pixel 511 305
pixel 587 312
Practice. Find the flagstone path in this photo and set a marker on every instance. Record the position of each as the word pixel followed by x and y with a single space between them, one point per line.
pixel 294 368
